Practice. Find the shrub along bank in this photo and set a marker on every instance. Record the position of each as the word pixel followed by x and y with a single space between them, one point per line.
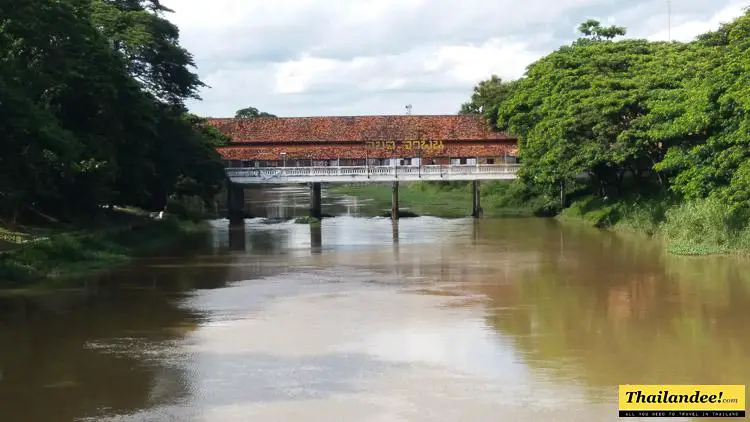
pixel 63 256
pixel 697 227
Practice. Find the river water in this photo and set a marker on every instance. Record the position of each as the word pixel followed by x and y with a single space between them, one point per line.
pixel 362 320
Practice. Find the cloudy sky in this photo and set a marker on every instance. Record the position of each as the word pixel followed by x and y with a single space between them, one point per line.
pixel 354 57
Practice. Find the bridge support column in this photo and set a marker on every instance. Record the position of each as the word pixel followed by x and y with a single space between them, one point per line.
pixel 315 207
pixel 394 201
pixel 235 201
pixel 476 197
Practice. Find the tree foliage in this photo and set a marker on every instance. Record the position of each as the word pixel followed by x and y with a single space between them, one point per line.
pixel 487 97
pixel 251 112
pixel 594 30
pixel 91 109
pixel 633 115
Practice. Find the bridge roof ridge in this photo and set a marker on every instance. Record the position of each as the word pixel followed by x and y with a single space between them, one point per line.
pixel 453 127
pixel 343 116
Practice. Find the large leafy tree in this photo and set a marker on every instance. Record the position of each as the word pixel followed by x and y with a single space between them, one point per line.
pixel 149 44
pixel 711 152
pixel 251 112
pixel 673 115
pixel 586 109
pixel 487 97
pixel 91 109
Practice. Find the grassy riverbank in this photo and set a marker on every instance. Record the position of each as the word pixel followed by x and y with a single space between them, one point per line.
pixel 62 255
pixel 701 227
pixel 449 199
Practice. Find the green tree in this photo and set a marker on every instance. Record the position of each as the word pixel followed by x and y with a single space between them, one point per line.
pixel 487 97
pixel 711 155
pixel 251 112
pixel 91 109
pixel 594 30
pixel 149 44
pixel 585 109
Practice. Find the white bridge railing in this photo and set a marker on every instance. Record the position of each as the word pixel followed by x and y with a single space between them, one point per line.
pixel 372 173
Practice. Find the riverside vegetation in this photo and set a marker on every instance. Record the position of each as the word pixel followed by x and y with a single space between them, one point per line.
pixel 92 117
pixel 453 199
pixel 637 135
pixel 646 136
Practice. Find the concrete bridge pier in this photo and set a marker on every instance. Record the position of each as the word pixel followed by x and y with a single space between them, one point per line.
pixel 394 201
pixel 476 199
pixel 235 201
pixel 315 201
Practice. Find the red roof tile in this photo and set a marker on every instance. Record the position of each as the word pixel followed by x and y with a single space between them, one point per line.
pixel 358 128
pixel 341 150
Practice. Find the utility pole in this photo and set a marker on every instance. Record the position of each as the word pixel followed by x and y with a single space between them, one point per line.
pixel 669 20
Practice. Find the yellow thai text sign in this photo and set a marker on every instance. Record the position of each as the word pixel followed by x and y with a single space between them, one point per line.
pixel 682 401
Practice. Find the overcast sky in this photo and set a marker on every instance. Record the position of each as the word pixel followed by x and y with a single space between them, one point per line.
pixel 359 57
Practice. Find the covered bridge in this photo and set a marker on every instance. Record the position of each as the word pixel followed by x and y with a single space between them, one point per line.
pixel 398 140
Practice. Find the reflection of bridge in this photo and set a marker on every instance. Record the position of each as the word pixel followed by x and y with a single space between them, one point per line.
pixel 363 149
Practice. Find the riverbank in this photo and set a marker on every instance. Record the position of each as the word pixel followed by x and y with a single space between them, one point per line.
pixel 59 257
pixel 449 199
pixel 702 227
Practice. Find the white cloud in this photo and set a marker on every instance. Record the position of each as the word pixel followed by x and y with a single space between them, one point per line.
pixel 312 57
pixel 687 29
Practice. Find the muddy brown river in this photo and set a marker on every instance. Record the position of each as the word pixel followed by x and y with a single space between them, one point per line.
pixel 359 319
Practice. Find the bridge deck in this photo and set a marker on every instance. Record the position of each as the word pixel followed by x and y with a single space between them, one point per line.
pixel 372 173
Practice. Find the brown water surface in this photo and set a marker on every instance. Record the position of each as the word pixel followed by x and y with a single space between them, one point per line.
pixel 360 320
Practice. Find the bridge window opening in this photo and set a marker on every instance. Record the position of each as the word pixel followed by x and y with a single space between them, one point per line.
pixel 490 161
pixel 245 163
pixel 235 163
pixel 320 163
pixel 470 161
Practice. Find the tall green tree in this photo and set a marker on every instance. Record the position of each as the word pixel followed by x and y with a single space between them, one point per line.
pixel 711 152
pixel 251 112
pixel 91 109
pixel 586 109
pixel 149 44
pixel 594 30
pixel 487 97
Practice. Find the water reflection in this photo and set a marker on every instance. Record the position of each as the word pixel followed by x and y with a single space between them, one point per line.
pixel 237 239
pixel 316 238
pixel 418 319
pixel 58 361
pixel 293 201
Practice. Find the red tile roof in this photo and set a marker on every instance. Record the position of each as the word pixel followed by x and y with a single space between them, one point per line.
pixel 358 128
pixel 349 150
